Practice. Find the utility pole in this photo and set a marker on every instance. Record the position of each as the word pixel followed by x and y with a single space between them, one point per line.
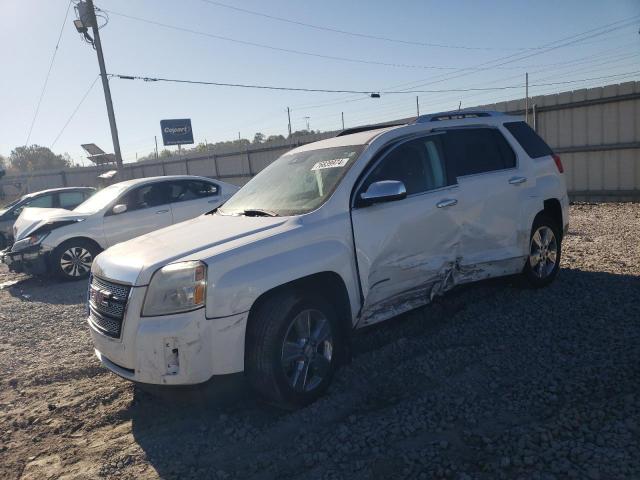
pixel 91 13
pixel 342 113
pixel 526 97
pixel 155 137
pixel 307 118
pixel 289 117
pixel 417 106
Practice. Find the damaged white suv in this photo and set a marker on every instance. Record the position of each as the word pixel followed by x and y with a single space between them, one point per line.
pixel 332 236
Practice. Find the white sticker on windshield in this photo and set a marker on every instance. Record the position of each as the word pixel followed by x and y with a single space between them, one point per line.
pixel 335 163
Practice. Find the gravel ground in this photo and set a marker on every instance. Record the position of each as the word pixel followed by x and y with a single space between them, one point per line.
pixel 492 381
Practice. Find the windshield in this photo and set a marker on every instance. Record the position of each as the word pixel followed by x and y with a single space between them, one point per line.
pixel 8 206
pixel 100 199
pixel 295 183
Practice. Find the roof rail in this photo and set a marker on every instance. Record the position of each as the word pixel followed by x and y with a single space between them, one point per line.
pixel 456 115
pixel 366 128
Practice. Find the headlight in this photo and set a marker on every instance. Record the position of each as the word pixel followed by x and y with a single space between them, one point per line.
pixel 29 241
pixel 177 287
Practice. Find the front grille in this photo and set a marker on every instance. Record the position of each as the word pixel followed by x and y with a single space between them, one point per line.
pixel 107 304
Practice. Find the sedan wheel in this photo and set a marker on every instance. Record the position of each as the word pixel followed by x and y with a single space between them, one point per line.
pixel 76 262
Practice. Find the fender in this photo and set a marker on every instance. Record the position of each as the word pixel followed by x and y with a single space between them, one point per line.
pixel 275 261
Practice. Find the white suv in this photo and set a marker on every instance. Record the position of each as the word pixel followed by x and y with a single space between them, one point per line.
pixel 65 242
pixel 332 236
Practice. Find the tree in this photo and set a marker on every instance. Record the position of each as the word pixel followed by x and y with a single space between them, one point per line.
pixel 35 157
pixel 275 138
pixel 3 163
pixel 258 138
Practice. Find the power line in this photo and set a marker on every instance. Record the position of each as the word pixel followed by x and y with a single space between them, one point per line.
pixel 366 92
pixel 75 110
pixel 46 79
pixel 294 51
pixel 358 34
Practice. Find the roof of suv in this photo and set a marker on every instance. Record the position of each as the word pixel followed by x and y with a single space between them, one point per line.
pixel 365 135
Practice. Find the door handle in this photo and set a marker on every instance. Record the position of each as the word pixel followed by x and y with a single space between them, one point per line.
pixel 162 211
pixel 447 202
pixel 517 180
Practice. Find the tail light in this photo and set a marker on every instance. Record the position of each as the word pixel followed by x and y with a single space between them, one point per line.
pixel 556 158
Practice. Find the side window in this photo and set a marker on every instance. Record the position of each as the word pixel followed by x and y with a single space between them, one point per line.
pixel 184 190
pixel 46 201
pixel 70 200
pixel 147 196
pixel 528 139
pixel 418 163
pixel 477 150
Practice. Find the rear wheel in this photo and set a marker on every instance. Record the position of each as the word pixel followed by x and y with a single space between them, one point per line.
pixel 544 252
pixel 291 350
pixel 72 259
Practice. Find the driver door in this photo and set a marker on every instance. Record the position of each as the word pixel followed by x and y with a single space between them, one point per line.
pixel 148 209
pixel 406 248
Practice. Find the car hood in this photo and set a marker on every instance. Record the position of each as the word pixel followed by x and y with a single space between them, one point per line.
pixel 135 261
pixel 33 218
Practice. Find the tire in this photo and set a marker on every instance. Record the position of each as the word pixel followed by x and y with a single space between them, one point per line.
pixel 277 330
pixel 545 248
pixel 71 260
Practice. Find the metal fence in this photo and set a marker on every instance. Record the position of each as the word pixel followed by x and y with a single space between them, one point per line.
pixel 596 130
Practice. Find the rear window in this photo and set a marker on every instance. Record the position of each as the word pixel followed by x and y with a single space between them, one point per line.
pixel 477 150
pixel 528 139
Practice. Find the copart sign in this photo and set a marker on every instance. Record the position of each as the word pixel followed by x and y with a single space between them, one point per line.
pixel 176 131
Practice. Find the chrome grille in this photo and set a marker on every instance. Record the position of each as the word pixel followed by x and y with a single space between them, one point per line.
pixel 107 304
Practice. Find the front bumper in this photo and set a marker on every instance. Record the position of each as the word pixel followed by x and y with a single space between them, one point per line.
pixel 33 260
pixel 181 349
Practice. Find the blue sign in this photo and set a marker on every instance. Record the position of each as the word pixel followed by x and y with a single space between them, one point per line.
pixel 176 131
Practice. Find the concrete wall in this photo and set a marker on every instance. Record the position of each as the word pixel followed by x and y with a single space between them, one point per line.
pixel 596 131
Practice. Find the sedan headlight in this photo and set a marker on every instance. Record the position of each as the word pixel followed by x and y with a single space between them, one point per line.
pixel 175 288
pixel 29 241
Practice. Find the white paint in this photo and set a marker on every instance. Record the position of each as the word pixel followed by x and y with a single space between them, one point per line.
pixel 398 255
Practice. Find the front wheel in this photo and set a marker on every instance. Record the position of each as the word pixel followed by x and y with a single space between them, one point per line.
pixel 291 349
pixel 544 252
pixel 72 259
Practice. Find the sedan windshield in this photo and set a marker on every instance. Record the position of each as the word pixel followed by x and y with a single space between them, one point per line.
pixel 294 184
pixel 100 200
pixel 8 206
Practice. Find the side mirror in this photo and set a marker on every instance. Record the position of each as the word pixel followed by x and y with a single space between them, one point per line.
pixel 118 209
pixel 383 191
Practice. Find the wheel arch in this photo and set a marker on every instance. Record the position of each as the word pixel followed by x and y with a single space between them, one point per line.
pixel 553 208
pixel 331 286
pixel 83 239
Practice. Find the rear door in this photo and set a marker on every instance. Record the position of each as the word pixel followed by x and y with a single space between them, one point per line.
pixel 190 198
pixel 148 209
pixel 406 248
pixel 492 191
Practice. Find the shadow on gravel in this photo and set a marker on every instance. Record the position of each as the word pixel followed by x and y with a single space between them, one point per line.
pixel 49 290
pixel 200 431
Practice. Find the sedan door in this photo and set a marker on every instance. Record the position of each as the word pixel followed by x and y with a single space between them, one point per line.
pixel 406 249
pixel 190 198
pixel 148 208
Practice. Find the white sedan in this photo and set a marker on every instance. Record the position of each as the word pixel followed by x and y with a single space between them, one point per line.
pixel 65 242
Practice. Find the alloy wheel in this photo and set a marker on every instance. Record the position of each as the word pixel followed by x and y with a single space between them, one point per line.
pixel 307 350
pixel 76 262
pixel 543 253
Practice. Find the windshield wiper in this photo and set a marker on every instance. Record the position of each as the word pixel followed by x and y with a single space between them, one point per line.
pixel 257 212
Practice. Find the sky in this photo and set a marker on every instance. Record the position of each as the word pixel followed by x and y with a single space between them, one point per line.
pixel 481 32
